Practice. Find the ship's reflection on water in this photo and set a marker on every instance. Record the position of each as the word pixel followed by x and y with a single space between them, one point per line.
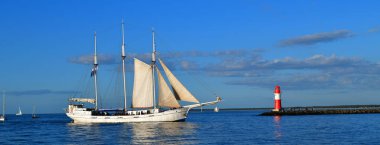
pixel 80 133
pixel 163 132
pixel 134 133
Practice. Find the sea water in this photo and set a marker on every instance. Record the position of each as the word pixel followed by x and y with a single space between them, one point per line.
pixel 224 127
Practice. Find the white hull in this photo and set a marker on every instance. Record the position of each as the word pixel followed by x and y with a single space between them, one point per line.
pixel 2 118
pixel 165 116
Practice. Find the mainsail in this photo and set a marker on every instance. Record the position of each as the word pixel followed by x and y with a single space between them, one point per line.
pixel 180 90
pixel 165 96
pixel 143 85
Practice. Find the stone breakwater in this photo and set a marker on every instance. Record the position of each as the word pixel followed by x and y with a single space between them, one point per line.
pixel 321 111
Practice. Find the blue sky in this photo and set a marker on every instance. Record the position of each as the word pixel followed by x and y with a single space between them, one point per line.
pixel 319 52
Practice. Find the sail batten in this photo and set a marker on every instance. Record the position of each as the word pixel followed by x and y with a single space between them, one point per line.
pixel 165 96
pixel 180 90
pixel 143 85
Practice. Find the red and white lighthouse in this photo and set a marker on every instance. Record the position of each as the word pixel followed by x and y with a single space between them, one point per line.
pixel 277 98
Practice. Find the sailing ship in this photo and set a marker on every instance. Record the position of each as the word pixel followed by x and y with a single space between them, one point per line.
pixel 19 113
pixel 144 106
pixel 2 117
pixel 34 116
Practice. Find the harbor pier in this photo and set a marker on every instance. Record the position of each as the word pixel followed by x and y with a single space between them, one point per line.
pixel 322 110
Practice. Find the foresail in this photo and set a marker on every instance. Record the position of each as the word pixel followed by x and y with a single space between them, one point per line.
pixel 143 85
pixel 165 96
pixel 181 91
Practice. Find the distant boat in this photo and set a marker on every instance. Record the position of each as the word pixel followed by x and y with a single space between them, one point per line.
pixel 216 109
pixel 34 116
pixel 145 107
pixel 34 113
pixel 19 113
pixel 2 117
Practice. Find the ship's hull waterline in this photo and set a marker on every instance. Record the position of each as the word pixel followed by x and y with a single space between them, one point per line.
pixel 165 116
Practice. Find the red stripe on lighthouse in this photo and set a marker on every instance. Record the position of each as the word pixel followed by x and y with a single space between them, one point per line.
pixel 277 104
pixel 277 89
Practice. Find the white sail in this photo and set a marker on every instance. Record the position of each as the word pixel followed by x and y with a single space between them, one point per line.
pixel 182 93
pixel 165 96
pixel 19 111
pixel 143 85
pixel 2 117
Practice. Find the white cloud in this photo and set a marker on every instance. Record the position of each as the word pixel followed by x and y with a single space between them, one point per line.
pixel 311 39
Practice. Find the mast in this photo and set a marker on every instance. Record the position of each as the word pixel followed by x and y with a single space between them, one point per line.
pixel 123 60
pixel 95 74
pixel 153 66
pixel 4 104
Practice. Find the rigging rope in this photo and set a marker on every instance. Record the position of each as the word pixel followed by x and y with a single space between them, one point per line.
pixel 176 65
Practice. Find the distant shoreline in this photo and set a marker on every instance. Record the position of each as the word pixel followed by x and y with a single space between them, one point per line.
pixel 231 109
pixel 250 109
pixel 335 106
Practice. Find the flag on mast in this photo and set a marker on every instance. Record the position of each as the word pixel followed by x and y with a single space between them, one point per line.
pixel 93 70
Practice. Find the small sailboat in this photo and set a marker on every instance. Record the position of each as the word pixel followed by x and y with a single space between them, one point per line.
pixel 19 113
pixel 34 116
pixel 216 109
pixel 2 117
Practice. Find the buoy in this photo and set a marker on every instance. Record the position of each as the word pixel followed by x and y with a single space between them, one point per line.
pixel 277 98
